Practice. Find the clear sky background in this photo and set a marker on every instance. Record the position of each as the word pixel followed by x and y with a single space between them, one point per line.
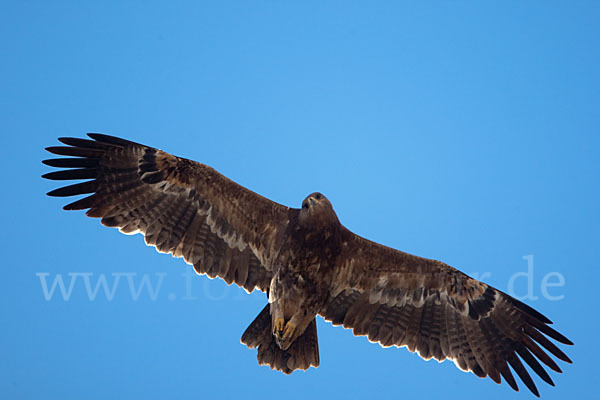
pixel 462 131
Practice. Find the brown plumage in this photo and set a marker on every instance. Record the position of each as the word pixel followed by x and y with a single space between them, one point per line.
pixel 306 262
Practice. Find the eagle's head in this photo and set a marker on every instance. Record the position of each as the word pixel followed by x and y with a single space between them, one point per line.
pixel 317 209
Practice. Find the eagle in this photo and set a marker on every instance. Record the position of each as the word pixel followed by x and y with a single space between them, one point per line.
pixel 306 262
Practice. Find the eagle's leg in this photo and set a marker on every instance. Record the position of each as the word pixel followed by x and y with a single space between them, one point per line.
pixel 293 329
pixel 288 331
pixel 296 325
pixel 282 331
pixel 278 326
pixel 291 309
pixel 276 305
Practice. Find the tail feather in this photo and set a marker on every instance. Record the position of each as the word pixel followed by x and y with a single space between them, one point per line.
pixel 302 354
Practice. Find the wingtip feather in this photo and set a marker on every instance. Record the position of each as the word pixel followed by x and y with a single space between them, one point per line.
pixel 103 138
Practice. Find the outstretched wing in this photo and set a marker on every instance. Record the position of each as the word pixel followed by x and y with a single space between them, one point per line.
pixel 180 206
pixel 395 298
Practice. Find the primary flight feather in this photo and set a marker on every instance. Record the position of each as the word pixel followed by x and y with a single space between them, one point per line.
pixel 308 264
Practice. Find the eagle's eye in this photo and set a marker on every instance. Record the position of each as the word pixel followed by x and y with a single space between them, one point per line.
pixel 319 196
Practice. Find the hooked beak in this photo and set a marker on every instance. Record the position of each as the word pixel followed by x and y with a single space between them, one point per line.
pixel 312 201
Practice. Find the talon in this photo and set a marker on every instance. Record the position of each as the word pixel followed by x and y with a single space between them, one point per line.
pixel 288 331
pixel 278 326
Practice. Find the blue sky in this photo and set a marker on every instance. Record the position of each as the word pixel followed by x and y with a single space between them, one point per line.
pixel 461 131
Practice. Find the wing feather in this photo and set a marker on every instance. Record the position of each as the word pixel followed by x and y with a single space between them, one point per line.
pixel 437 311
pixel 180 206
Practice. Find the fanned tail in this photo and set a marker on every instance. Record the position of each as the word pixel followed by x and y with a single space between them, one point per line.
pixel 302 354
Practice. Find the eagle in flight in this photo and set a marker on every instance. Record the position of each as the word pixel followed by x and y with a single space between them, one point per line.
pixel 306 262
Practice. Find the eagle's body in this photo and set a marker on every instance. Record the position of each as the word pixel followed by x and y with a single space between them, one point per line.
pixel 308 264
pixel 303 269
